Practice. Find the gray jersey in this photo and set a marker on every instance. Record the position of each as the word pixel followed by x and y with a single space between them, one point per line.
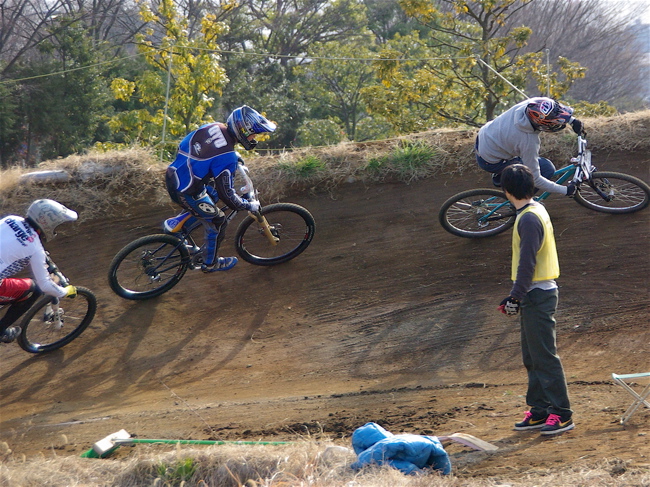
pixel 512 135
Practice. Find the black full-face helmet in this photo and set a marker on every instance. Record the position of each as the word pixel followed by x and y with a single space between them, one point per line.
pixel 246 121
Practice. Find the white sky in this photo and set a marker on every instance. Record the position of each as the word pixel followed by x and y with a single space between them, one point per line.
pixel 637 5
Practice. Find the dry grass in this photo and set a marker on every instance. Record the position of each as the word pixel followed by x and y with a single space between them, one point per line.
pixel 304 463
pixel 99 183
pixel 103 183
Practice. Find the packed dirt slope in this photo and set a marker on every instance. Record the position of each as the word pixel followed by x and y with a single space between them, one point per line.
pixel 385 317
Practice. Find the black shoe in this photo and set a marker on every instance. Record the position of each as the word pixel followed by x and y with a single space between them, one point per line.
pixel 10 334
pixel 554 425
pixel 530 422
pixel 496 179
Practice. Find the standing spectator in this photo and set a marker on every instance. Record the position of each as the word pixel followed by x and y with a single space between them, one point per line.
pixel 535 267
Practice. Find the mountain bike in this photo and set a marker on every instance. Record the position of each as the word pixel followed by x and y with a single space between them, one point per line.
pixel 485 212
pixel 54 322
pixel 152 265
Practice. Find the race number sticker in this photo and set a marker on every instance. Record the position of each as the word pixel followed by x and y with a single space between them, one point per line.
pixel 216 137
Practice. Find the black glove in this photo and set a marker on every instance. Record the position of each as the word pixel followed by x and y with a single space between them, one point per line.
pixel 571 189
pixel 509 306
pixel 577 127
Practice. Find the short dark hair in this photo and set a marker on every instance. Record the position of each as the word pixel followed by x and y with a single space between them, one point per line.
pixel 518 180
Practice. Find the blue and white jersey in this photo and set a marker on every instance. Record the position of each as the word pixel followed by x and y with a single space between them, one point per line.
pixel 20 246
pixel 205 154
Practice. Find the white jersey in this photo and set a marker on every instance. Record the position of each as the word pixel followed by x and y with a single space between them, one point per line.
pixel 20 246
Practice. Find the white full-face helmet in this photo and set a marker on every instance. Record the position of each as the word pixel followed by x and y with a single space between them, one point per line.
pixel 46 215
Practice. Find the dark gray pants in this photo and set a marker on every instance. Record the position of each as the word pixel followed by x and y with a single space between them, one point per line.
pixel 547 388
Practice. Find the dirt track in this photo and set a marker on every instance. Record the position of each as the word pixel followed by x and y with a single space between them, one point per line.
pixel 384 318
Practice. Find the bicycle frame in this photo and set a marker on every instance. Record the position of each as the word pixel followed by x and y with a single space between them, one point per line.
pixel 578 171
pixel 185 237
pixel 53 307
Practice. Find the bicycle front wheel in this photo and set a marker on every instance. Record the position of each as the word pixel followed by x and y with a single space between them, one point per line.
pixel 477 213
pixel 612 192
pixel 291 226
pixel 148 267
pixel 47 327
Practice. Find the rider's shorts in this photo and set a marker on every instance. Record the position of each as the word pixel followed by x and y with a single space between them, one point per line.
pixel 15 289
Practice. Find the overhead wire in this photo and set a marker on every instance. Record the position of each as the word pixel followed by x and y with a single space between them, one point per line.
pixel 221 51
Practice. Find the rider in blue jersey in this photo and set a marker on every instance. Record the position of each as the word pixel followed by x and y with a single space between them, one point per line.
pixel 203 173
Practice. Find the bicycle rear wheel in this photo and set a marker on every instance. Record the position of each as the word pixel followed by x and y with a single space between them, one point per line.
pixel 148 267
pixel 623 193
pixel 46 327
pixel 477 213
pixel 292 225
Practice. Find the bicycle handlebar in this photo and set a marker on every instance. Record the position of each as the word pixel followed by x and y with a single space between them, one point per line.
pixel 53 269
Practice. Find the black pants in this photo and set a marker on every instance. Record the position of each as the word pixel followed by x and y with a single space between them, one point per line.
pixel 18 308
pixel 547 388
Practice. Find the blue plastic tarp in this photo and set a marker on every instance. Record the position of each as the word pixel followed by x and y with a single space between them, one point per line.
pixel 408 453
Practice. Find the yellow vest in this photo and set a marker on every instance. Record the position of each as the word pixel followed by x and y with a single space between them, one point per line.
pixel 547 266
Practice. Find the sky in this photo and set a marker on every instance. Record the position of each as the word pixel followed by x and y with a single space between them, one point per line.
pixel 637 5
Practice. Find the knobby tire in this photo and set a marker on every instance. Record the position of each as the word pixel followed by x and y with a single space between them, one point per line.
pixel 148 267
pixel 291 223
pixel 628 193
pixel 464 214
pixel 40 334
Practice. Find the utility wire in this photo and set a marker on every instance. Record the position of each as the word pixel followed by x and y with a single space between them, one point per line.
pixel 255 54
pixel 88 66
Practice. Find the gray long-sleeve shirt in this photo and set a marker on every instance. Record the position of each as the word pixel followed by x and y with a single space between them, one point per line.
pixel 512 135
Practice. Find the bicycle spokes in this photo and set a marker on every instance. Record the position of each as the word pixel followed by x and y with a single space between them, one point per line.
pixel 476 213
pixel 53 316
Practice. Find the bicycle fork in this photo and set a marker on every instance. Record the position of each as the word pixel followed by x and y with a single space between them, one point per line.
pixel 54 314
pixel 606 196
pixel 266 228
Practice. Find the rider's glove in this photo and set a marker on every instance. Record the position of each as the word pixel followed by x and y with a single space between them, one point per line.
pixel 255 206
pixel 577 126
pixel 509 306
pixel 571 189
pixel 70 291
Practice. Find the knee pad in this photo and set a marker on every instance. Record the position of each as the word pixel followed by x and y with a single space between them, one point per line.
pixel 200 205
pixel 546 167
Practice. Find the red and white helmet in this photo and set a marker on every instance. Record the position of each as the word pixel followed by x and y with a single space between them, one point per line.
pixel 548 115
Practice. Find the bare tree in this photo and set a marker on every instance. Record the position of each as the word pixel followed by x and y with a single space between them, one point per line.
pixel 107 21
pixel 598 34
pixel 289 27
pixel 23 26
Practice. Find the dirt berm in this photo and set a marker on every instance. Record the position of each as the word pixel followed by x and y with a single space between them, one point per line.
pixel 385 318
